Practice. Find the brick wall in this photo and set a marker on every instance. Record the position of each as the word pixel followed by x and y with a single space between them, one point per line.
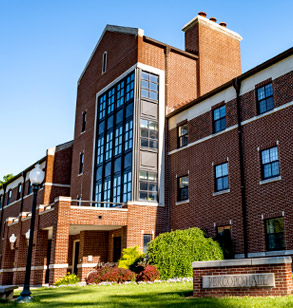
pixel 281 271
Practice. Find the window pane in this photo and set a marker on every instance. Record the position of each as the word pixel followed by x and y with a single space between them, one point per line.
pixel 265 156
pixel 261 93
pixel 154 95
pixel 275 169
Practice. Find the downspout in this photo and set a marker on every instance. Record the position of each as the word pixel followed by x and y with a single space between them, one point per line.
pixel 166 158
pixel 237 85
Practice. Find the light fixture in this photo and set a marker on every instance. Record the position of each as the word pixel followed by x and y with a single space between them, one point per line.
pixel 37 175
pixel 12 241
pixel 27 235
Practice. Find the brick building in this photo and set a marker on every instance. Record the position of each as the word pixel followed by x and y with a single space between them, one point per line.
pixel 164 139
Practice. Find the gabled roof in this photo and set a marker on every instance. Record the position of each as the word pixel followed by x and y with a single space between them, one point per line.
pixel 111 28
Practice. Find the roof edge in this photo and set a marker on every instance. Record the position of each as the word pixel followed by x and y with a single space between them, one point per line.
pixel 287 53
pixel 112 28
pixel 212 24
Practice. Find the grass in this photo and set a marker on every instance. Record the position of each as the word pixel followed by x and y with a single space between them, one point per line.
pixel 169 295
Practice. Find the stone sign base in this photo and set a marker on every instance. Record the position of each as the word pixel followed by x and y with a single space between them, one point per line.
pixel 241 277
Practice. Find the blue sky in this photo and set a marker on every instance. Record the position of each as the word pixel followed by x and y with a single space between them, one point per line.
pixel 45 45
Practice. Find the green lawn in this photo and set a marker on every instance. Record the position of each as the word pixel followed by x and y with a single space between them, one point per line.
pixel 169 295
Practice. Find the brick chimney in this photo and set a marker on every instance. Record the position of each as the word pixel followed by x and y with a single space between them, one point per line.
pixel 218 50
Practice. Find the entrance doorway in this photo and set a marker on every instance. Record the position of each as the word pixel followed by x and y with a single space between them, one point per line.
pixel 75 256
pixel 116 248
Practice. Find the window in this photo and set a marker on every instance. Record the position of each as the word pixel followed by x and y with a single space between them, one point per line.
pixel 182 134
pixel 221 177
pixel 18 192
pixel 219 119
pixel 148 187
pixel 81 161
pixel 1 200
pixel 9 196
pixel 29 190
pixel 146 239
pixel 128 136
pixel 107 191
pixel 100 150
pixel 129 87
pixel 270 163
pixel 98 195
pixel 120 94
pixel 148 134
pixel 108 150
pixel 118 140
pixel 104 64
pixel 102 107
pixel 83 122
pixel 127 186
pixel 265 98
pixel 274 229
pixel 149 86
pixel 117 188
pixel 182 188
pixel 111 100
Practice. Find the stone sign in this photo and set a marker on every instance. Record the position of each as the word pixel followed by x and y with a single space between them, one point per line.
pixel 238 281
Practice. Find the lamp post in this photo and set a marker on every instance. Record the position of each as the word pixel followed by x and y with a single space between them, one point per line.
pixel 36 177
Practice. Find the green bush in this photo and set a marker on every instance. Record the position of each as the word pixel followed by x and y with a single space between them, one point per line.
pixel 68 279
pixel 130 257
pixel 173 252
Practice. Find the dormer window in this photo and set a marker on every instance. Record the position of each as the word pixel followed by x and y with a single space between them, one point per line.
pixel 104 64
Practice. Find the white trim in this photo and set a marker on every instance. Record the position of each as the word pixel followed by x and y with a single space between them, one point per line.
pixel 189 145
pixel 221 192
pixel 211 24
pixel 57 185
pixel 143 203
pixel 275 179
pixel 83 265
pixel 39 267
pixel 58 265
pixel 51 151
pixel 77 207
pixel 47 211
pixel 161 122
pixel 6 270
pixel 182 202
pixel 232 127
pixel 61 198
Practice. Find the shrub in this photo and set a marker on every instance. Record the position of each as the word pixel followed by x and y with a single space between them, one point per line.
pixel 173 252
pixel 67 279
pixel 130 257
pixel 150 273
pixel 112 274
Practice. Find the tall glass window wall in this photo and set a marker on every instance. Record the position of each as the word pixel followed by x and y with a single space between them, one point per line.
pixel 114 135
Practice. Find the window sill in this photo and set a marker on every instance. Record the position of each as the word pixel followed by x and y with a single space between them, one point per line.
pixel 82 132
pixel 278 178
pixel 221 192
pixel 80 174
pixel 182 202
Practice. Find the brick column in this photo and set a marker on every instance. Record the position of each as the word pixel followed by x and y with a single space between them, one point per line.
pixel 60 241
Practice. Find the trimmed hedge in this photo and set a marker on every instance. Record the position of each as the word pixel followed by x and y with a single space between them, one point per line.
pixel 173 252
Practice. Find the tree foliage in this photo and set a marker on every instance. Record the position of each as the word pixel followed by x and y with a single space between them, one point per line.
pixel 6 178
pixel 130 257
pixel 173 252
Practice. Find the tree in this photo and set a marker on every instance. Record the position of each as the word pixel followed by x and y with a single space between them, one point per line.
pixel 6 178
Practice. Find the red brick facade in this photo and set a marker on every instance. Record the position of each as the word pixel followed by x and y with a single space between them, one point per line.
pixel 67 216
